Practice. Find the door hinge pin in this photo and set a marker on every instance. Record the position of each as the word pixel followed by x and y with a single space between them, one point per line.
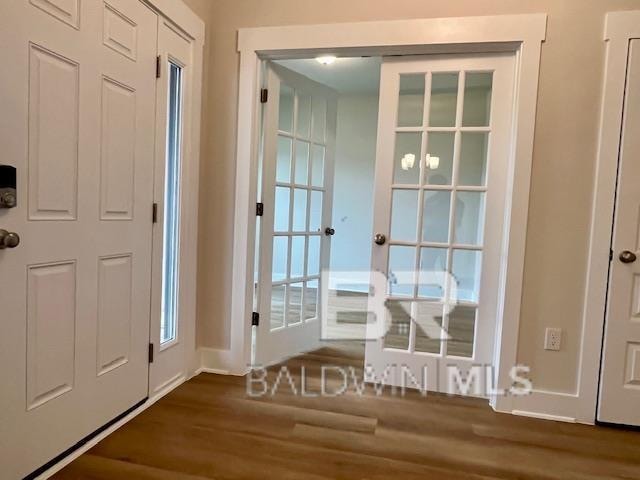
pixel 264 95
pixel 154 213
pixel 259 209
pixel 158 66
pixel 255 319
pixel 150 352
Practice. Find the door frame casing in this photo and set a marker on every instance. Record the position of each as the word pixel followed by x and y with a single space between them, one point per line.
pixel 620 28
pixel 522 34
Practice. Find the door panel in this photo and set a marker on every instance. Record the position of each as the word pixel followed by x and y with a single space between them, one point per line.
pixel 442 152
pixel 620 375
pixel 299 144
pixel 78 124
pixel 168 332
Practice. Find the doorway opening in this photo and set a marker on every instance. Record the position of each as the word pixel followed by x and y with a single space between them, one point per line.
pixel 382 184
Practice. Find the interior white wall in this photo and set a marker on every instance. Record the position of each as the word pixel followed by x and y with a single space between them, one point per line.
pixel 353 183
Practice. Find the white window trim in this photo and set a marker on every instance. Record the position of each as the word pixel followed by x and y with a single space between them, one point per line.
pixel 522 34
pixel 620 28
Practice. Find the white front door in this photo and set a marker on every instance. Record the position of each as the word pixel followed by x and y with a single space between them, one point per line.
pixel 620 373
pixel 77 97
pixel 441 177
pixel 297 179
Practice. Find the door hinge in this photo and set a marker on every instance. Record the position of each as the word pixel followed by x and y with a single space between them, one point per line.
pixel 154 213
pixel 259 209
pixel 255 319
pixel 610 255
pixel 264 95
pixel 151 353
pixel 158 66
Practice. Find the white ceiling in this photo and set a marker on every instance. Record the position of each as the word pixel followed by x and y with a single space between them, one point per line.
pixel 346 75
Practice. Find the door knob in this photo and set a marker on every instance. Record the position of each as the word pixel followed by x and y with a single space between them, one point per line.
pixel 627 257
pixel 329 231
pixel 8 239
pixel 380 239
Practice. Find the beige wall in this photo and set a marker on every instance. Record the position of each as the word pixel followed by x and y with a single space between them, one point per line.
pixel 563 164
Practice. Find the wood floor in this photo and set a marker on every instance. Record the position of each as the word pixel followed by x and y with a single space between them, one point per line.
pixel 211 428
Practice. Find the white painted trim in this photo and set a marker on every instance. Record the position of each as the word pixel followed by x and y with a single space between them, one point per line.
pixel 213 360
pixel 98 438
pixel 520 33
pixel 620 27
pixel 181 15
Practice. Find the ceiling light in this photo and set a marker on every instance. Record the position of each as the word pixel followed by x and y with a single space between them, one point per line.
pixel 326 59
pixel 408 161
pixel 432 162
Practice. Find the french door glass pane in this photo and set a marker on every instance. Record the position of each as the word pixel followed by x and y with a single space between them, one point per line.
pixel 319 114
pixel 303 119
pixel 473 159
pixel 300 209
pixel 444 98
pixel 411 100
pixel 294 315
pixel 171 227
pixel 297 256
pixel 283 164
pixel 280 256
pixel 317 166
pixel 404 215
pixel 465 268
pixel 462 322
pixel 397 336
pixel 285 115
pixel 313 258
pixel 406 160
pixel 281 213
pixel 277 306
pixel 440 146
pixel 311 300
pixel 428 327
pixel 315 221
pixel 431 280
pixel 302 163
pixel 469 218
pixel 435 216
pixel 477 99
pixel 401 264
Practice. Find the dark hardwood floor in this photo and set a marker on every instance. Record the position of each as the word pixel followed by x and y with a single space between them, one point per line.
pixel 210 428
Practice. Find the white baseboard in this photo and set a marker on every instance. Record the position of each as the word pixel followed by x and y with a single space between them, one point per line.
pixel 214 360
pixel 557 406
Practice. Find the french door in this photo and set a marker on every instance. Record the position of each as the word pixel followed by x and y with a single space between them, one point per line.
pixel 620 372
pixel 78 126
pixel 441 173
pixel 297 178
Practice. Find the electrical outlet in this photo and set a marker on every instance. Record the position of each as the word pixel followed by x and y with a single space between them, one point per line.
pixel 552 339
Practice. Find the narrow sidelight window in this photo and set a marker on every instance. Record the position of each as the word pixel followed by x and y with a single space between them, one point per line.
pixel 171 227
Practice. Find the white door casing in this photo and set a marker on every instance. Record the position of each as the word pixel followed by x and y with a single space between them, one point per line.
pixel 297 191
pixel 620 374
pixel 78 124
pixel 171 357
pixel 411 195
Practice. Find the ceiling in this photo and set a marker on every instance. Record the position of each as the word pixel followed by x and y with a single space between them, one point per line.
pixel 346 75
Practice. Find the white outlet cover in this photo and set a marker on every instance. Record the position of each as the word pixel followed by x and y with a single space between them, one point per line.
pixel 553 339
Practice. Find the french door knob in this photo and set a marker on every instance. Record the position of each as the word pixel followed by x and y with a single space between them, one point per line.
pixel 380 239
pixel 329 231
pixel 627 257
pixel 8 239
